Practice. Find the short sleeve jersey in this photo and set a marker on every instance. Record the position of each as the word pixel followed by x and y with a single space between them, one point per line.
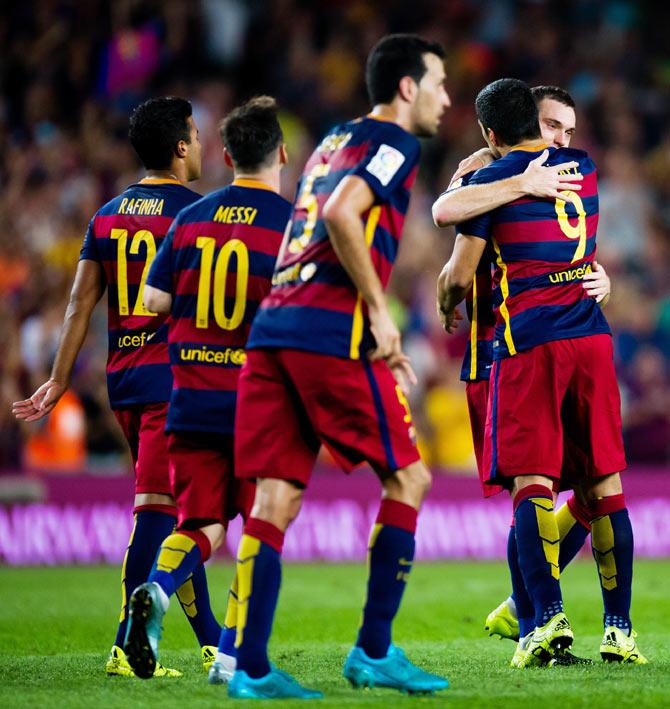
pixel 217 263
pixel 123 237
pixel 314 304
pixel 542 250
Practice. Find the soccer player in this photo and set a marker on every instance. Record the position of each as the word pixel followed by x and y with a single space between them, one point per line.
pixel 211 273
pixel 320 367
pixel 119 247
pixel 553 370
pixel 513 618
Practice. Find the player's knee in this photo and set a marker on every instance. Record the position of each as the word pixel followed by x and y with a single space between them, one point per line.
pixel 601 487
pixel 277 502
pixel 410 484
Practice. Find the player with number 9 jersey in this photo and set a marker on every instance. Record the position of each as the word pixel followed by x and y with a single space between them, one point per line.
pixel 542 250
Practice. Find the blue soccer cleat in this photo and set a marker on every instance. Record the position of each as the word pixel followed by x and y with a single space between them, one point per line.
pixel 144 629
pixel 274 685
pixel 394 671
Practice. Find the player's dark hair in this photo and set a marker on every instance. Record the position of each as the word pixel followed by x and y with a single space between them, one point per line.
pixel 156 126
pixel 553 92
pixel 508 108
pixel 251 132
pixel 392 58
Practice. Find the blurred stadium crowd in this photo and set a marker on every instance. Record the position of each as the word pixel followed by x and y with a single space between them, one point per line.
pixel 71 72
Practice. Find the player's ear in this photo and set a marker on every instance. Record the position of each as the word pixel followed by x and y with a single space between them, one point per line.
pixel 283 154
pixel 407 89
pixel 227 159
pixel 182 149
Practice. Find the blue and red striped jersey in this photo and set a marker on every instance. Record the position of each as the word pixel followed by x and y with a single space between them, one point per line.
pixel 542 250
pixel 123 237
pixel 314 304
pixel 217 263
pixel 478 357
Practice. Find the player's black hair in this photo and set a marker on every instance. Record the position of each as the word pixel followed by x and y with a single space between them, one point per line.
pixel 393 57
pixel 508 108
pixel 553 92
pixel 156 126
pixel 251 132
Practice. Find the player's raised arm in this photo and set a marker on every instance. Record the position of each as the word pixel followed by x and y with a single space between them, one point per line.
pixel 86 292
pixel 462 203
pixel 342 215
pixel 456 278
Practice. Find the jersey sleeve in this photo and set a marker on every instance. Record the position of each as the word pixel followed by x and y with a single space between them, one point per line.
pixel 391 156
pixel 89 249
pixel 160 273
pixel 478 226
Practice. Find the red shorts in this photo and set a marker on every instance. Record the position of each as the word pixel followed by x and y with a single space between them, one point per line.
pixel 143 426
pixel 477 395
pixel 201 473
pixel 534 392
pixel 290 402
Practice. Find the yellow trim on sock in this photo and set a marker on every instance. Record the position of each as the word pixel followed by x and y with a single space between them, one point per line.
pixel 173 550
pixel 565 521
pixel 124 598
pixel 230 620
pixel 246 556
pixel 186 596
pixel 602 540
pixel 548 530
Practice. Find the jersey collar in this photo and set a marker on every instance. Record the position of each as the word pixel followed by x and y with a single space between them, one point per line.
pixel 534 148
pixel 255 184
pixel 158 181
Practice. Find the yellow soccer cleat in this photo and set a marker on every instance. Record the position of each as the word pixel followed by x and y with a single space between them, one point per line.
pixel 546 641
pixel 619 647
pixel 519 658
pixel 503 621
pixel 208 653
pixel 117 665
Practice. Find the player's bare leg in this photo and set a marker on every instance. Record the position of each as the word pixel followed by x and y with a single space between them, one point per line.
pixel 375 661
pixel 612 543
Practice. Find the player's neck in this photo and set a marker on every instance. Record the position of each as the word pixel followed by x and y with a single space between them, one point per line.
pixel 533 145
pixel 176 172
pixel 390 112
pixel 270 177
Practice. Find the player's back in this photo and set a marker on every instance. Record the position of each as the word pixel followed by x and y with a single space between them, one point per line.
pixel 314 305
pixel 124 236
pixel 223 251
pixel 543 249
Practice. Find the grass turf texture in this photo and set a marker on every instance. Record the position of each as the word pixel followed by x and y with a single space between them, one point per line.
pixel 57 625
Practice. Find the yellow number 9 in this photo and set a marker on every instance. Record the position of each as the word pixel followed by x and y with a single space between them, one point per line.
pixel 572 231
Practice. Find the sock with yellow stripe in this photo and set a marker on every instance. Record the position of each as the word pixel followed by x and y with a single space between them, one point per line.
pixel 258 581
pixel 612 543
pixel 152 524
pixel 538 547
pixel 179 556
pixel 229 630
pixel 193 596
pixel 574 526
pixel 390 557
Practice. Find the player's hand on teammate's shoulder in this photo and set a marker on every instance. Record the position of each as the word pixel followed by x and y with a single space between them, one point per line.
pixel 597 284
pixel 550 182
pixel 40 403
pixel 480 158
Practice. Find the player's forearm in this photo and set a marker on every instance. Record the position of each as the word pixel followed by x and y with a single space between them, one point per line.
pixel 452 287
pixel 73 334
pixel 471 201
pixel 347 237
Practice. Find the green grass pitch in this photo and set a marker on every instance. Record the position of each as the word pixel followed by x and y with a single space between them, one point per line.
pixel 56 626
